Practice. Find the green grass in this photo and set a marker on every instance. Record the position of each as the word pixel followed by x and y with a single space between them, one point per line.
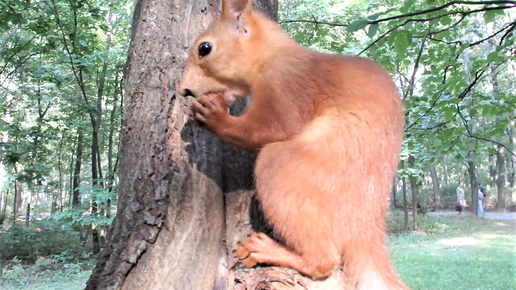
pixel 448 252
pixel 454 252
pixel 45 275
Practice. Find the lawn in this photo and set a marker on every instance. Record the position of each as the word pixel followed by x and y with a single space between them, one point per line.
pixel 448 252
pixel 46 274
pixel 456 252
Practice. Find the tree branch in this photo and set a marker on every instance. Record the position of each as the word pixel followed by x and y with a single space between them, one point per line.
pixel 507 33
pixel 410 88
pixel 493 35
pixel 316 22
pixel 478 75
pixel 425 113
pixel 470 134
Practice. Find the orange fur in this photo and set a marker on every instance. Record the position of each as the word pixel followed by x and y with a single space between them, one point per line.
pixel 328 129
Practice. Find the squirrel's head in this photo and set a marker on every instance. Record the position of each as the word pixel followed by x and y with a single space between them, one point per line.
pixel 225 58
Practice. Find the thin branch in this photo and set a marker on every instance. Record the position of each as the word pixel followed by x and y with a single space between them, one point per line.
pixel 440 124
pixel 478 75
pixel 14 54
pixel 407 128
pixel 469 134
pixel 463 16
pixel 383 35
pixel 27 57
pixel 316 22
pixel 410 88
pixel 452 3
pixel 507 33
pixel 493 35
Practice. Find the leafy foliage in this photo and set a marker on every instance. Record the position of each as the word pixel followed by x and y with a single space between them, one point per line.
pixel 452 60
pixel 43 239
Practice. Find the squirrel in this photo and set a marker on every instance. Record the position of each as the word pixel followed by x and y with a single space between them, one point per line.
pixel 328 130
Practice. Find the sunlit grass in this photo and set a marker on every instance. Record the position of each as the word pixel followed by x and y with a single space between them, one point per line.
pixel 469 253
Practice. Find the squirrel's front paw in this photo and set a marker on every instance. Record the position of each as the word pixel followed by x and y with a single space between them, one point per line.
pixel 211 110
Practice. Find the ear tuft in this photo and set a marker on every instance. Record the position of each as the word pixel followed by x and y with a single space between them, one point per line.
pixel 232 10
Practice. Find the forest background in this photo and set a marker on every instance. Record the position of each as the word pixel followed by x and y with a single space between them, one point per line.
pixel 62 72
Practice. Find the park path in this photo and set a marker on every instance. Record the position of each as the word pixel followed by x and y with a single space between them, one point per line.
pixel 489 215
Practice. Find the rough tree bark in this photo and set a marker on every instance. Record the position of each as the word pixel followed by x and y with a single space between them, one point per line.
pixel 435 186
pixel 185 197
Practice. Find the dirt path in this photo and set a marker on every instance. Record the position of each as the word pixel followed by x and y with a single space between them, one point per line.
pixel 489 215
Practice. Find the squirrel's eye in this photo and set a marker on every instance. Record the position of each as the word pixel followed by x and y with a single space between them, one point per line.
pixel 204 49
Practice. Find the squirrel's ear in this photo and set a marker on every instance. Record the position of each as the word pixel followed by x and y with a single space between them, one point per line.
pixel 233 10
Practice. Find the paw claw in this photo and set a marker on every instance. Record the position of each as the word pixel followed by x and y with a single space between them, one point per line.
pixel 242 253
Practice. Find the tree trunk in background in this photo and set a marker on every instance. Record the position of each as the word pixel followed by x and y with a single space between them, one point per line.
pixel 76 199
pixel 4 203
pixel 415 193
pixel 492 170
pixel 473 183
pixel 17 201
pixel 3 195
pixel 512 159
pixel 435 186
pixel 394 189
pixel 405 204
pixel 500 179
pixel 27 216
pixel 469 154
pixel 445 171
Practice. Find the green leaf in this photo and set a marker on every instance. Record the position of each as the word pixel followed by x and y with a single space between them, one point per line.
pixel 463 47
pixel 494 57
pixel 489 16
pixel 357 25
pixel 374 16
pixel 448 114
pixel 446 20
pixel 401 44
pixel 373 28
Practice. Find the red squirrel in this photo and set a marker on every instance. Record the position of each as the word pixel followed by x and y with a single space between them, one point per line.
pixel 327 128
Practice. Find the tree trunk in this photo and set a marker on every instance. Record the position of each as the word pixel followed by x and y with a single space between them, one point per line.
pixel 2 194
pixel 76 200
pixel 415 193
pixel 95 183
pixel 405 204
pixel 4 204
pixel 27 216
pixel 435 186
pixel 394 187
pixel 469 154
pixel 17 194
pixel 169 225
pixel 500 179
pixel 445 171
pixel 473 183
pixel 175 228
pixel 512 159
pixel 492 170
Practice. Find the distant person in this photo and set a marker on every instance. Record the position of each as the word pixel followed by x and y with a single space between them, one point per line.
pixel 460 198
pixel 481 197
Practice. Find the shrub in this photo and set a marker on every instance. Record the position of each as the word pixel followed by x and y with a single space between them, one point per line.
pixel 43 238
